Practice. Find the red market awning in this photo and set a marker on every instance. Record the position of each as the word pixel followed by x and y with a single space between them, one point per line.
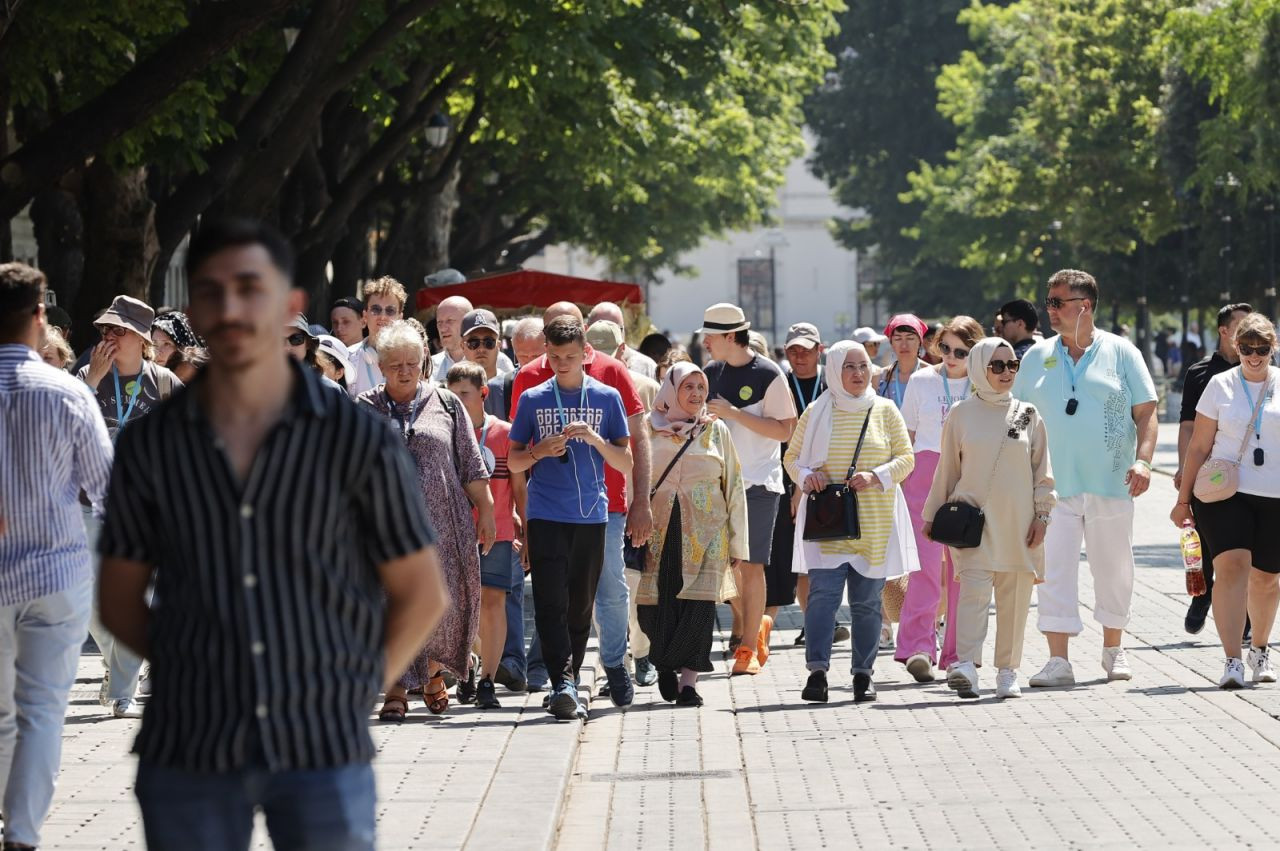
pixel 527 288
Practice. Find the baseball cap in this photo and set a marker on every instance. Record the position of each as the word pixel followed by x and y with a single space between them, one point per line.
pixel 905 320
pixel 803 334
pixel 605 335
pixel 866 335
pixel 300 322
pixel 130 313
pixel 480 319
pixel 723 318
pixel 349 303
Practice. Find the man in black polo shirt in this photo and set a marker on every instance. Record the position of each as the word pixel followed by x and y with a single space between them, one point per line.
pixel 1197 380
pixel 294 574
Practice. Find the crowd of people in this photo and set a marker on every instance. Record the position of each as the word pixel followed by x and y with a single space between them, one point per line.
pixel 287 540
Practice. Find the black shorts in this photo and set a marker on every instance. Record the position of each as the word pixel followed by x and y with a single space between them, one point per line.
pixel 1243 522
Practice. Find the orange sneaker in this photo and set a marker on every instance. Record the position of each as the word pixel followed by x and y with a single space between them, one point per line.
pixel 762 639
pixel 744 661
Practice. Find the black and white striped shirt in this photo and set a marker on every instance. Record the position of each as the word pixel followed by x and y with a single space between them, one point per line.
pixel 267 627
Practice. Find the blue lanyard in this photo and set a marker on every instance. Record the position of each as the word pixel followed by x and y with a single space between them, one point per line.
pixel 897 387
pixel 1070 366
pixel 406 427
pixel 123 417
pixel 946 388
pixel 555 386
pixel 1257 421
pixel 368 370
pixel 817 385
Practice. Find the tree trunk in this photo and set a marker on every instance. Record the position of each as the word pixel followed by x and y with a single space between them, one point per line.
pixel 437 223
pixel 351 260
pixel 121 247
pixel 59 231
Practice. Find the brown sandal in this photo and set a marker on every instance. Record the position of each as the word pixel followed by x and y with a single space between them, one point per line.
pixel 394 709
pixel 437 698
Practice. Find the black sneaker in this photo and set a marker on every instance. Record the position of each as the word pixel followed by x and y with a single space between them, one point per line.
pixel 799 642
pixel 487 695
pixel 815 691
pixel 668 685
pixel 621 692
pixel 864 690
pixel 646 674
pixel 1196 613
pixel 510 679
pixel 467 688
pixel 689 697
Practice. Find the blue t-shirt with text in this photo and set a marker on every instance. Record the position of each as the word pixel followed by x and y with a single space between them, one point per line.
pixel 572 490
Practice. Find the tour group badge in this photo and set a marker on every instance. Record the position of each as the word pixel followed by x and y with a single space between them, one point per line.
pixel 745 394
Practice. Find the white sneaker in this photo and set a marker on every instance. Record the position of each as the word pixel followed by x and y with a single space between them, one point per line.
pixel 1056 672
pixel 126 707
pixel 1116 664
pixel 886 636
pixel 1232 675
pixel 144 681
pixel 919 666
pixel 1007 684
pixel 1260 662
pixel 963 677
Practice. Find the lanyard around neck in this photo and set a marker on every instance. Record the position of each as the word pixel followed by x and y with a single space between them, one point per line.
pixel 897 387
pixel 813 397
pixel 406 426
pixel 946 388
pixel 368 369
pixel 582 402
pixel 1257 421
pixel 122 417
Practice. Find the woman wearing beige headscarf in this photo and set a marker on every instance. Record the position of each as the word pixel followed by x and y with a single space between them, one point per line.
pixel 995 456
pixel 699 532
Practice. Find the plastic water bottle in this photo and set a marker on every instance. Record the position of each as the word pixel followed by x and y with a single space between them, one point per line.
pixel 1191 560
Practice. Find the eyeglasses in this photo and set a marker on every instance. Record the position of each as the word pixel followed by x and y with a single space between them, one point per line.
pixel 856 367
pixel 998 367
pixel 379 310
pixel 1254 351
pixel 296 339
pixel 1055 303
pixel 947 351
pixel 112 330
pixel 474 343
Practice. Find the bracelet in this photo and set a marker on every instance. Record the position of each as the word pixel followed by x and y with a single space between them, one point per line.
pixel 1180 502
pixel 1146 464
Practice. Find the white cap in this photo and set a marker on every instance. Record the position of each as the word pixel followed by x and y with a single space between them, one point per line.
pixel 866 335
pixel 336 349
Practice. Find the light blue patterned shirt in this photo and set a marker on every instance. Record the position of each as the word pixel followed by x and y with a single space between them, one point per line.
pixel 53 444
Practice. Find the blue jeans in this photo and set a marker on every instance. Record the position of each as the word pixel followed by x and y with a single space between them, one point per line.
pixel 39 649
pixel 612 602
pixel 122 663
pixel 513 656
pixel 330 809
pixel 826 587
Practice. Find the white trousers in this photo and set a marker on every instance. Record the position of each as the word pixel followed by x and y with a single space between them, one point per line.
pixel 1105 526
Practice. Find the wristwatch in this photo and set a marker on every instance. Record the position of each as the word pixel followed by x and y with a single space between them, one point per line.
pixel 1043 518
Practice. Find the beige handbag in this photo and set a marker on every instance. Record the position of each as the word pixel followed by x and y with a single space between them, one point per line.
pixel 1219 478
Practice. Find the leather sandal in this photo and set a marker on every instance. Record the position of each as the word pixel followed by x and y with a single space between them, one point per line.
pixel 394 709
pixel 436 695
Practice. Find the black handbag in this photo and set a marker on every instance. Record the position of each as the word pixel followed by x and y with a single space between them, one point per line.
pixel 831 514
pixel 634 557
pixel 960 525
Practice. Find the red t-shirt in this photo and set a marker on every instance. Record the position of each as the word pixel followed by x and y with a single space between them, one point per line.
pixel 498 439
pixel 606 370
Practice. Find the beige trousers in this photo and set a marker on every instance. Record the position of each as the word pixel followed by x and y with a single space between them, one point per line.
pixel 1013 602
pixel 639 641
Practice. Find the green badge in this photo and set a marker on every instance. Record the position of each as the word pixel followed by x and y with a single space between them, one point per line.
pixel 130 387
pixel 1050 362
pixel 744 394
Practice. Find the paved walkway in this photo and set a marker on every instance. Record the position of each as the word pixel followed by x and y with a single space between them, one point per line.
pixel 1164 760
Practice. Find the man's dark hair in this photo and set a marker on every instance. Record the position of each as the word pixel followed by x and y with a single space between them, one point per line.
pixel 742 338
pixel 21 291
pixel 1023 311
pixel 1080 283
pixel 221 234
pixel 563 330
pixel 1225 315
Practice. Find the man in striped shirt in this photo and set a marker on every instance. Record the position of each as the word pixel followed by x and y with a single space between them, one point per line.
pixel 53 444
pixel 294 571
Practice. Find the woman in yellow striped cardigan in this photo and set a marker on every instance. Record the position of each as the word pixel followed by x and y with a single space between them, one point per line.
pixel 820 452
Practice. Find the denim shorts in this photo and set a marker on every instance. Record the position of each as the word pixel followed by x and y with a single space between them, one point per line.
pixel 497 569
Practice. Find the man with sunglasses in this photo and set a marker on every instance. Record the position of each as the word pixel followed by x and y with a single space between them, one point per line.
pixel 481 341
pixel 451 315
pixel 1016 323
pixel 1098 401
pixel 384 300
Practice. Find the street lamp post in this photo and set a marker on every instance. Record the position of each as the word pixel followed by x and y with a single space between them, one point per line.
pixel 1226 261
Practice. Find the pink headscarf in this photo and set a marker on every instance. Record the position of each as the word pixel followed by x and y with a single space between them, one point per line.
pixel 668 417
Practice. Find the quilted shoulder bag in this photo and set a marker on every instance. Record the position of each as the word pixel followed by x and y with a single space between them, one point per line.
pixel 1219 478
pixel 831 514
pixel 959 524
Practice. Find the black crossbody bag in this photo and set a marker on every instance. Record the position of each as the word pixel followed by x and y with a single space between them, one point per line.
pixel 632 556
pixel 831 514
pixel 959 524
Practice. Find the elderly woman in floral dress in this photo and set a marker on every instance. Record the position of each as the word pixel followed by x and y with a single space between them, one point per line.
pixel 453 477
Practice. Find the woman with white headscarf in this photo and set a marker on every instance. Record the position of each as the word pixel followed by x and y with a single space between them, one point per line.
pixel 820 452
pixel 699 532
pixel 995 456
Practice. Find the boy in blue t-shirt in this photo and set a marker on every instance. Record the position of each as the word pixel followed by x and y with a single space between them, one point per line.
pixel 565 430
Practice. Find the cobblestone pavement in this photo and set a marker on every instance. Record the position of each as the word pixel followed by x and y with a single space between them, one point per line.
pixel 1164 760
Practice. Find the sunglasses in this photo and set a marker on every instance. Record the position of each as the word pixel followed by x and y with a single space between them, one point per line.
pixel 1055 303
pixel 1252 351
pixel 474 343
pixel 947 351
pixel 998 367
pixel 379 310
pixel 296 339
pixel 112 331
